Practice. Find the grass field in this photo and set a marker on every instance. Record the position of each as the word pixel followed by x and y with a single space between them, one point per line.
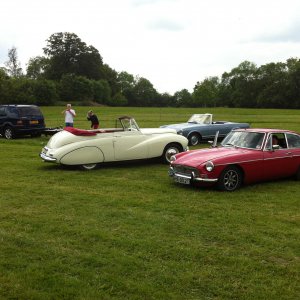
pixel 126 231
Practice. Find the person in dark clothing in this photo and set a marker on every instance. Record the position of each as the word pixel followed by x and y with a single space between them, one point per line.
pixel 93 118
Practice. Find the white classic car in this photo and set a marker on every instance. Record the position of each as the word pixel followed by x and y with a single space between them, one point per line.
pixel 87 148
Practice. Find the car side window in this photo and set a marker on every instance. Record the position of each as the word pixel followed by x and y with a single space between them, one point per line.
pixel 2 112
pixel 13 112
pixel 293 140
pixel 276 139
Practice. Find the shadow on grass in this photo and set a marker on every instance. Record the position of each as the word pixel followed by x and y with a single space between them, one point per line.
pixel 263 186
pixel 106 165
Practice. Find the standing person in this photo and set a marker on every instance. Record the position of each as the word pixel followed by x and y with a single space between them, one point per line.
pixel 93 118
pixel 69 115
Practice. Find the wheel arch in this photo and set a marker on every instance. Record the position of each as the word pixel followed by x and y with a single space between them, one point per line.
pixel 238 167
pixel 194 132
pixel 173 143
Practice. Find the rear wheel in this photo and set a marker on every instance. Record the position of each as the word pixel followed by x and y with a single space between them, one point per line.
pixel 170 150
pixel 88 167
pixel 8 132
pixel 194 139
pixel 230 179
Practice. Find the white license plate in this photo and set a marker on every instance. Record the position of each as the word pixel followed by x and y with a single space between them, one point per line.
pixel 182 180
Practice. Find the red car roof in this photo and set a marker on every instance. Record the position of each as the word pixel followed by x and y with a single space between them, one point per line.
pixel 266 130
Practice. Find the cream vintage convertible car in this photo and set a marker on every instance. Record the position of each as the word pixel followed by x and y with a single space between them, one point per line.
pixel 87 148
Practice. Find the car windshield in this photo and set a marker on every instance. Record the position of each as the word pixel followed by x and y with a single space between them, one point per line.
pixel 129 124
pixel 200 119
pixel 243 139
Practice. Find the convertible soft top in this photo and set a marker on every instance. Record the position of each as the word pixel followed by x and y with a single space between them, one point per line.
pixel 80 132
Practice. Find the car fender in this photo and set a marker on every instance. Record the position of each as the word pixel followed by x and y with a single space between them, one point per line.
pixel 82 155
pixel 194 132
pixel 159 142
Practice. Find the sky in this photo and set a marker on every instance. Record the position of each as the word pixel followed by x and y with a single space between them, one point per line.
pixel 172 43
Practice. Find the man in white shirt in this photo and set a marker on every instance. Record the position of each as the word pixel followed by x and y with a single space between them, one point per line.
pixel 69 115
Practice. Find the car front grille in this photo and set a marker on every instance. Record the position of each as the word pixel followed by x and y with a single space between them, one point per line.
pixel 184 170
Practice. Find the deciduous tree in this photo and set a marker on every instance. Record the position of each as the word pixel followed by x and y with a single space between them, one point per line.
pixel 13 66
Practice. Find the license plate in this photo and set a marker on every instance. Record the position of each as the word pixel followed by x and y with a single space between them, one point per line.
pixel 182 180
pixel 34 122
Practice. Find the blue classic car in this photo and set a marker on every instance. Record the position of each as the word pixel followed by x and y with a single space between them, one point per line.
pixel 202 127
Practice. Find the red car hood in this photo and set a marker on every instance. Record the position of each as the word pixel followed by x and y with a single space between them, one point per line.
pixel 197 157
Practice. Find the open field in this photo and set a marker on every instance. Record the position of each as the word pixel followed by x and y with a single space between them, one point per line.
pixel 126 231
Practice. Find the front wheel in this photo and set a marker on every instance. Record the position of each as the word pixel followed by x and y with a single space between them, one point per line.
pixel 88 167
pixel 8 133
pixel 230 179
pixel 171 150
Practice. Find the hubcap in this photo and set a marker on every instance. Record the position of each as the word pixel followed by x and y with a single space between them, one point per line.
pixel 170 152
pixel 89 166
pixel 231 180
pixel 8 133
pixel 194 140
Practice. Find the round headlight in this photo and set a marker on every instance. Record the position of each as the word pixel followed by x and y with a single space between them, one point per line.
pixel 209 166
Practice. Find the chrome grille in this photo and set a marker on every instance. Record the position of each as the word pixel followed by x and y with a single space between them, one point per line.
pixel 184 170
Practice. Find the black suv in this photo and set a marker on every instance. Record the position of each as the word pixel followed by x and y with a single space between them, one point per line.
pixel 21 120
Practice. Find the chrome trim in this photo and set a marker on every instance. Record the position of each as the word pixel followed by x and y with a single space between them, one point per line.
pixel 47 158
pixel 205 179
pixel 192 178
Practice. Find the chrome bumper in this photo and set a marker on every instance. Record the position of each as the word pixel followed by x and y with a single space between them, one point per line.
pixel 47 158
pixel 191 178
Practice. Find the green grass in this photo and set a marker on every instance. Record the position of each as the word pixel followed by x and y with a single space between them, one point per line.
pixel 126 231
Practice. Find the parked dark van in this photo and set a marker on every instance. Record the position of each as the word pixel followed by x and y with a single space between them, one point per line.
pixel 21 120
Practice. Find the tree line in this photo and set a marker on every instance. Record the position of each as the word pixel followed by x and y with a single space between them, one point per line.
pixel 70 70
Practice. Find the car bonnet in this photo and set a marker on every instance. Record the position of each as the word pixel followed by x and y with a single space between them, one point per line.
pixel 197 157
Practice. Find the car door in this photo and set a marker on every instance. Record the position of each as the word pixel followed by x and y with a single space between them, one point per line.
pixel 278 162
pixel 130 145
pixel 293 143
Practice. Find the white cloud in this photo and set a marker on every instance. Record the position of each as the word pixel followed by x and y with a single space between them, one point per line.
pixel 172 43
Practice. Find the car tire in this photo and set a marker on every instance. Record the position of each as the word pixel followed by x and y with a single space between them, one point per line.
pixel 230 179
pixel 88 167
pixel 194 139
pixel 171 149
pixel 8 133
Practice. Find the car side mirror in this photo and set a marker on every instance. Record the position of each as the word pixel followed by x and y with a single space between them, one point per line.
pixel 275 147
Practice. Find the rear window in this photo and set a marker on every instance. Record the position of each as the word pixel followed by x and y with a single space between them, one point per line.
pixel 26 111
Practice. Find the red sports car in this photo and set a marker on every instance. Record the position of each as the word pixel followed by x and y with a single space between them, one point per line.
pixel 244 156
